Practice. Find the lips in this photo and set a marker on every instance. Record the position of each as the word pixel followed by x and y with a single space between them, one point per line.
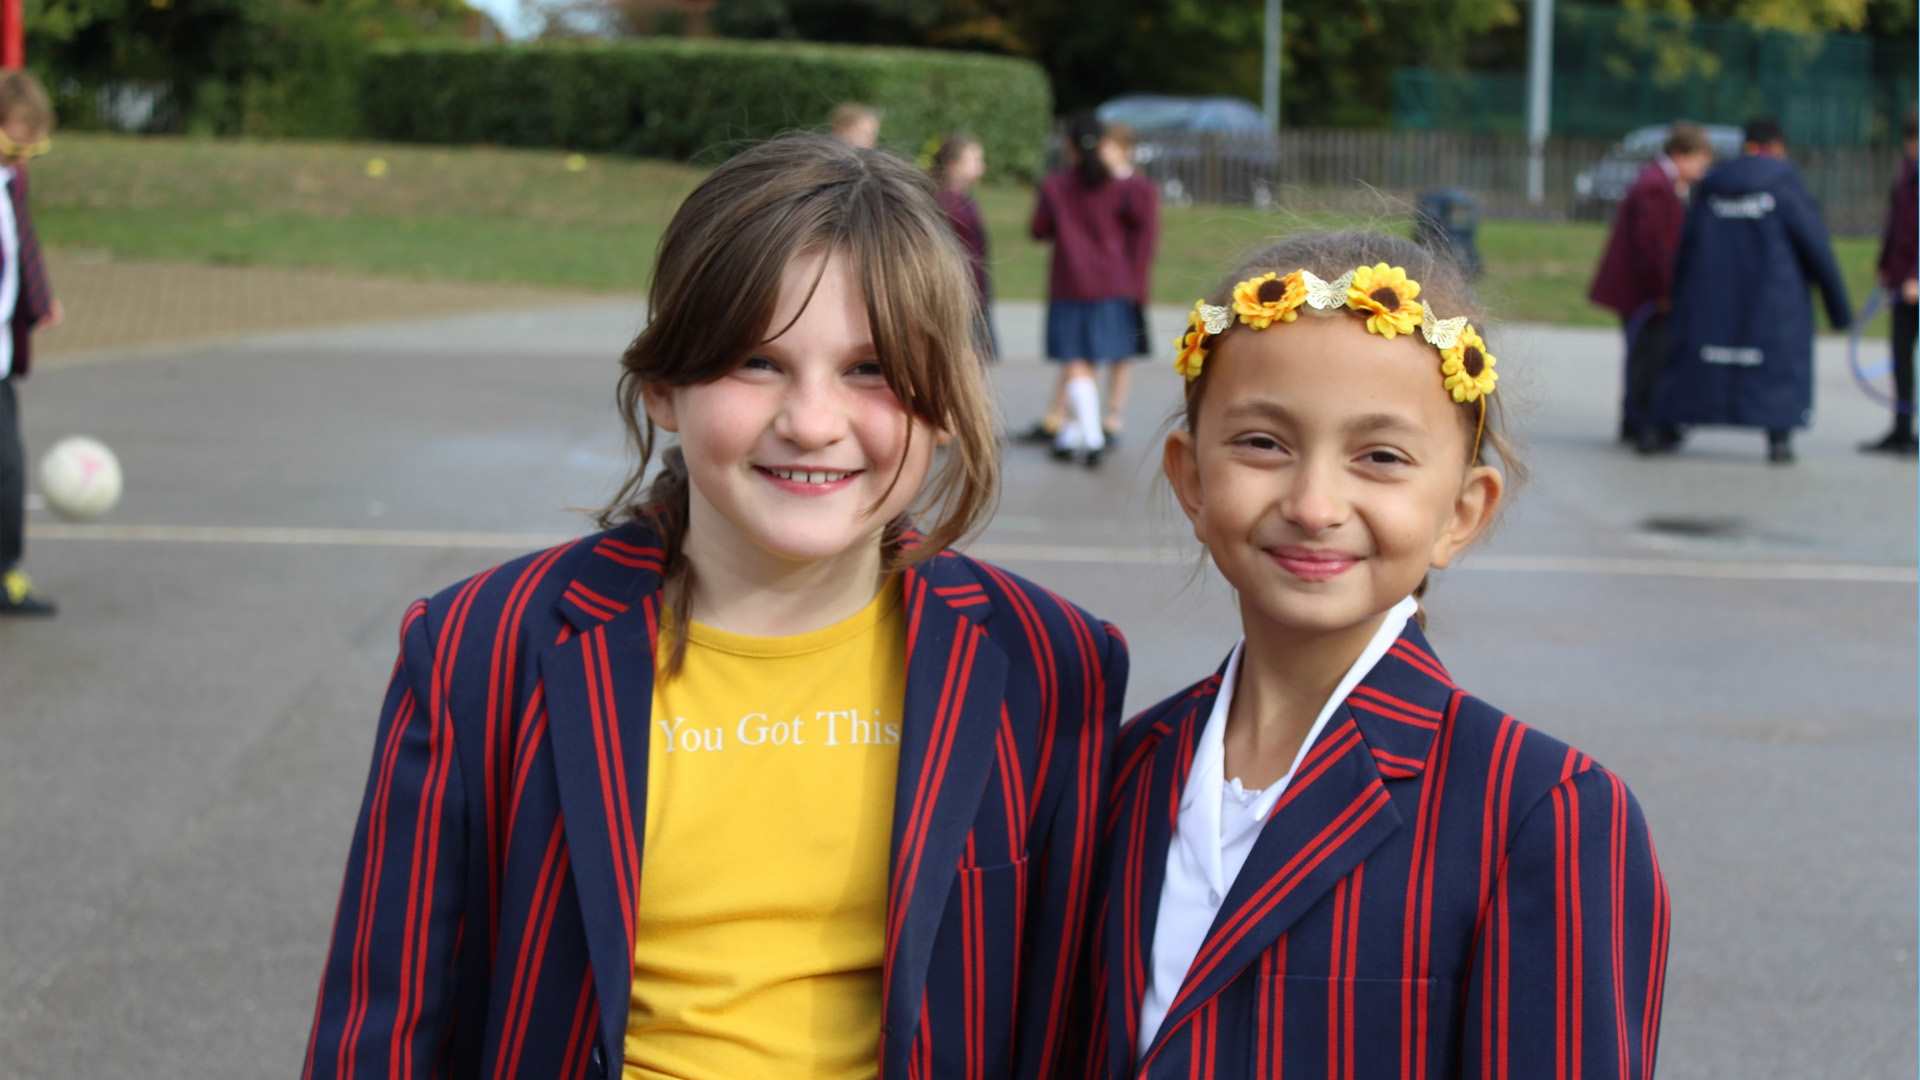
pixel 1312 564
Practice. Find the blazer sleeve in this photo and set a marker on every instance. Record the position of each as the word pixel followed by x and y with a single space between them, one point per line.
pixel 1814 250
pixel 1570 959
pixel 1056 995
pixel 1041 226
pixel 387 988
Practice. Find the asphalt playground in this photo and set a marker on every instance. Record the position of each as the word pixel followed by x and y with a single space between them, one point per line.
pixel 182 751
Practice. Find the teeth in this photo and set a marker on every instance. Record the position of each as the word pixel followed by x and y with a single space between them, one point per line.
pixel 809 476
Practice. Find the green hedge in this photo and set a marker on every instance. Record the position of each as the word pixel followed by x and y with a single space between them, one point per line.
pixel 699 100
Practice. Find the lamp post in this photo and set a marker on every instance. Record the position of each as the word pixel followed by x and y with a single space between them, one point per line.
pixel 1539 91
pixel 1270 75
pixel 13 48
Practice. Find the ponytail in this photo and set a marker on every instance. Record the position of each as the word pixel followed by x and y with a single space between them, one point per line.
pixel 1084 133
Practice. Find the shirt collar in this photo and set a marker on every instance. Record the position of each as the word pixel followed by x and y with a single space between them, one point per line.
pixel 1199 823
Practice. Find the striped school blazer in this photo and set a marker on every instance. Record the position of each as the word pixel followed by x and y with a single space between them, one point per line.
pixel 1442 892
pixel 486 924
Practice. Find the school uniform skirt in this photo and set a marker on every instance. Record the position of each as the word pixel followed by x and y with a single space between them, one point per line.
pixel 1098 330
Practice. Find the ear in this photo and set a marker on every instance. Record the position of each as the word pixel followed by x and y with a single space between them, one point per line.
pixel 1473 510
pixel 1181 465
pixel 658 400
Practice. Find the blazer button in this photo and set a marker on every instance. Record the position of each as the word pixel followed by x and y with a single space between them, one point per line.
pixel 599 1061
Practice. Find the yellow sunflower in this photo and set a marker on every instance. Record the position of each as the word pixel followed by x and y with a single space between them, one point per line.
pixel 1386 296
pixel 1468 367
pixel 1262 301
pixel 1192 347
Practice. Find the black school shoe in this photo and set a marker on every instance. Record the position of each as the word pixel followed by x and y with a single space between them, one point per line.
pixel 1780 450
pixel 18 598
pixel 1896 443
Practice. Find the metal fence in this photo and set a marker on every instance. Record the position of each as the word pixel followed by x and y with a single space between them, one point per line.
pixel 1383 172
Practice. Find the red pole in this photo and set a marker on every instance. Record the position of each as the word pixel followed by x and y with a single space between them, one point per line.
pixel 13 45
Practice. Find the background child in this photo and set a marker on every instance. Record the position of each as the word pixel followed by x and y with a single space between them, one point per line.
pixel 1096 229
pixel 958 165
pixel 855 124
pixel 1326 859
pixel 1144 199
pixel 760 781
pixel 26 305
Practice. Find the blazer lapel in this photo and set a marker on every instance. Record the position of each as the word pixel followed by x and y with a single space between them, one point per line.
pixel 598 681
pixel 1137 868
pixel 956 680
pixel 1335 812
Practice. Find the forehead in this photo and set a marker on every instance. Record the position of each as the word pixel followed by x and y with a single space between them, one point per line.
pixel 821 301
pixel 1330 367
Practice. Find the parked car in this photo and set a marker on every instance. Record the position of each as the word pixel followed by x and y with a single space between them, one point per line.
pixel 1599 186
pixel 1210 149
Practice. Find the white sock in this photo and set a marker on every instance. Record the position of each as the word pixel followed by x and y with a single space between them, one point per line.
pixel 1082 431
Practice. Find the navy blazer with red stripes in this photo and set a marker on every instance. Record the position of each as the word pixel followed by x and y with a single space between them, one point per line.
pixel 485 926
pixel 1440 892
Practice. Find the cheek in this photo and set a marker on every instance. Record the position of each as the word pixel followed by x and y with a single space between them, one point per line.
pixel 721 419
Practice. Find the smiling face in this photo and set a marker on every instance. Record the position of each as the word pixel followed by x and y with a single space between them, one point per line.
pixel 1326 472
pixel 801 454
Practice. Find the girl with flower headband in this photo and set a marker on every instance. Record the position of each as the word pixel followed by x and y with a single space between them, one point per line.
pixel 1326 859
pixel 762 780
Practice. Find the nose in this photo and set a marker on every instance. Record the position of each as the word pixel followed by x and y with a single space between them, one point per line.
pixel 813 413
pixel 1313 501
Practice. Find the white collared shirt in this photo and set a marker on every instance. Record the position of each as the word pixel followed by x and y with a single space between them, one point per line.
pixel 1219 822
pixel 10 274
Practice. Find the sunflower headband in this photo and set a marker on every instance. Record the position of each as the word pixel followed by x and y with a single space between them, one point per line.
pixel 1384 294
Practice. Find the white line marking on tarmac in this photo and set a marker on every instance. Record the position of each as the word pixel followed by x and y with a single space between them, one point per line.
pixel 1595 566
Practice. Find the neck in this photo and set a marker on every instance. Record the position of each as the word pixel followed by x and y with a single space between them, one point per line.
pixel 1286 676
pixel 744 590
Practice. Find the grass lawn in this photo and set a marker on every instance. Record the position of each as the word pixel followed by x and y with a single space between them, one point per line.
pixel 524 217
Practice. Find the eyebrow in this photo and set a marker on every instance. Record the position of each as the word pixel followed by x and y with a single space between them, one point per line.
pixel 1267 409
pixel 862 350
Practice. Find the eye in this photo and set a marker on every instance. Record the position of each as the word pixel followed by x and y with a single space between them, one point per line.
pixel 1260 443
pixel 868 369
pixel 1382 456
pixel 758 363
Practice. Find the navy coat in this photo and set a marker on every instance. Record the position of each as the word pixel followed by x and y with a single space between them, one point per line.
pixel 1742 329
pixel 1442 893
pixel 485 927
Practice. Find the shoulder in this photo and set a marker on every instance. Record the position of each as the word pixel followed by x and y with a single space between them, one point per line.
pixel 1035 626
pixel 1146 728
pixel 524 603
pixel 1518 769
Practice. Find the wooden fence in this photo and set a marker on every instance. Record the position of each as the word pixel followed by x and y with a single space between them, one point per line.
pixel 1371 172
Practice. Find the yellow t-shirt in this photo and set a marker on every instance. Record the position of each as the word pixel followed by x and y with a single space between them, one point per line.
pixel 763 883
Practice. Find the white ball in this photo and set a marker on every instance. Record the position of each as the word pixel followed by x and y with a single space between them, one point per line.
pixel 80 478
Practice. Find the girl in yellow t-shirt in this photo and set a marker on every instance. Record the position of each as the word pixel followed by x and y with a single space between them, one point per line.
pixel 763 780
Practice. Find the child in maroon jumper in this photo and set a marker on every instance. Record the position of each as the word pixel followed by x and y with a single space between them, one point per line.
pixel 958 165
pixel 1096 224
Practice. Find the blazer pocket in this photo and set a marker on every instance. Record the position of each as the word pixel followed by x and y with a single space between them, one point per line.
pixel 970 982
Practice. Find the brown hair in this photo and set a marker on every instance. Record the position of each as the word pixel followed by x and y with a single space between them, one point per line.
pixel 1443 284
pixel 849 114
pixel 950 150
pixel 21 93
pixel 716 282
pixel 1685 138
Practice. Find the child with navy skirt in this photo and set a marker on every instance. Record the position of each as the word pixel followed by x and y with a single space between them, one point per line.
pixel 1100 230
pixel 1326 859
